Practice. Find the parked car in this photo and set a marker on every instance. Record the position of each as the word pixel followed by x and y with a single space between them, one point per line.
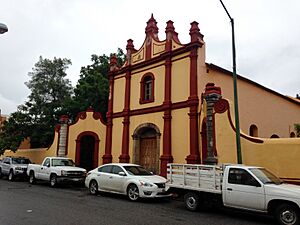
pixel 126 179
pixel 14 167
pixel 56 170
pixel 236 186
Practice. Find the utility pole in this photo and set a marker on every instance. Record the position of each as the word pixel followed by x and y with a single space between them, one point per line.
pixel 236 107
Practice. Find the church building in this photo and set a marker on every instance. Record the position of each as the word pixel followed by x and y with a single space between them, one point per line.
pixel 166 104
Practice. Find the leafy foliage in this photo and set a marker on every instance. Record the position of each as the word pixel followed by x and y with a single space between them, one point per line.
pixel 14 131
pixel 297 128
pixel 37 117
pixel 92 88
pixel 52 96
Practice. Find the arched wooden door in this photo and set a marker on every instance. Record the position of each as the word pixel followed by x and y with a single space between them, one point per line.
pixel 148 153
pixel 146 147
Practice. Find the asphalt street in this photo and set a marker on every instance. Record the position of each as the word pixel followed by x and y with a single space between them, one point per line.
pixel 25 204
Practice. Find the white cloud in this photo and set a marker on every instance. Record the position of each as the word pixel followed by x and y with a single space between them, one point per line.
pixel 266 36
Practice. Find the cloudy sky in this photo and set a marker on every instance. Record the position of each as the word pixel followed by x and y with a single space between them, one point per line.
pixel 267 36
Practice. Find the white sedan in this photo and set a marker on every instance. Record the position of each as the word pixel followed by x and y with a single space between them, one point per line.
pixel 127 179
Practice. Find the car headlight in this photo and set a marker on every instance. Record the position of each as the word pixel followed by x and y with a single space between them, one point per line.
pixel 146 184
pixel 64 173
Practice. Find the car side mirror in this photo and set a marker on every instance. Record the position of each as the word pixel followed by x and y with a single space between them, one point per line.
pixel 122 174
pixel 255 183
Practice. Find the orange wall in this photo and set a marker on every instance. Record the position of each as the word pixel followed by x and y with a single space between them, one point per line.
pixel 281 156
pixel 270 113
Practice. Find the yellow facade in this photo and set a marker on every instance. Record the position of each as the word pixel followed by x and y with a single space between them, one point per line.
pixel 180 80
pixel 119 85
pixel 271 112
pixel 89 124
pixel 171 126
pixel 159 82
pixel 278 155
pixel 180 135
pixel 36 155
pixel 117 139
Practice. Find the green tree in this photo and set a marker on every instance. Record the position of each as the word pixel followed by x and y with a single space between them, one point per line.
pixel 297 128
pixel 37 117
pixel 92 88
pixel 15 129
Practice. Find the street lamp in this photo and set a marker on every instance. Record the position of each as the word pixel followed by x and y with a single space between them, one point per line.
pixel 3 28
pixel 236 107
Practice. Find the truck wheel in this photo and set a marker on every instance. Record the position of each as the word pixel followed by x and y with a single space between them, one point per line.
pixel 0 173
pixel 93 188
pixel 133 192
pixel 11 175
pixel 53 180
pixel 286 214
pixel 32 178
pixel 191 200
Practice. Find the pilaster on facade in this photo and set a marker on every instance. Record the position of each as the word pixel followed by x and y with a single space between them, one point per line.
pixel 193 100
pixel 62 149
pixel 124 157
pixel 212 95
pixel 107 157
pixel 167 157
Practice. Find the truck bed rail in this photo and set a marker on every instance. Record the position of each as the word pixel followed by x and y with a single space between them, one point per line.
pixel 195 177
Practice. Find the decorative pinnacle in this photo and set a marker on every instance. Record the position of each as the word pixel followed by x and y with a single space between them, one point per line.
pixel 195 32
pixel 151 28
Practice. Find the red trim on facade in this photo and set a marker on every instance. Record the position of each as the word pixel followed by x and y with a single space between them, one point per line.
pixel 167 132
pixel 107 157
pixel 124 157
pixel 81 115
pixel 222 106
pixel 96 147
pixel 142 89
pixel 98 116
pixel 193 101
pixel 186 48
pixel 154 109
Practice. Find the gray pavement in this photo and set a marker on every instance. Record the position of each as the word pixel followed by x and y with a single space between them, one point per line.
pixel 25 204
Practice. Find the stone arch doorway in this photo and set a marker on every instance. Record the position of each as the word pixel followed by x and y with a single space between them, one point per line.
pixel 146 146
pixel 87 150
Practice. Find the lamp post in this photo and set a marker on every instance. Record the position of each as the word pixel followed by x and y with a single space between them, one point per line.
pixel 3 28
pixel 236 107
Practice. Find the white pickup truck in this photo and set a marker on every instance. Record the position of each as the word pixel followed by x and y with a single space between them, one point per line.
pixel 56 170
pixel 236 186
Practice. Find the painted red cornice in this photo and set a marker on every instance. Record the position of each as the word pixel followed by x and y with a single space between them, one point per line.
pixel 222 106
pixel 162 57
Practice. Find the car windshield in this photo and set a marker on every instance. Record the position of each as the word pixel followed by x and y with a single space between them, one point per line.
pixel 265 176
pixel 137 171
pixel 62 162
pixel 20 161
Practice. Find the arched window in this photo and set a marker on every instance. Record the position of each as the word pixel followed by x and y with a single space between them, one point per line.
pixel 147 88
pixel 253 131
pixel 274 136
pixel 292 134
